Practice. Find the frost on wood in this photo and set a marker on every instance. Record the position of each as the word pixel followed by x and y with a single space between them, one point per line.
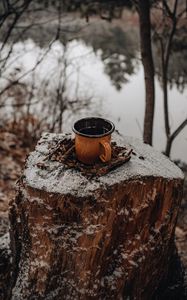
pixel 106 238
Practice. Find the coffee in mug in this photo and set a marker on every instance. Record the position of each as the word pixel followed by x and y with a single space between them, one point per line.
pixel 93 139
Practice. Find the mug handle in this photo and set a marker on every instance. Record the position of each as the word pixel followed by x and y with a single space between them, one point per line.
pixel 106 156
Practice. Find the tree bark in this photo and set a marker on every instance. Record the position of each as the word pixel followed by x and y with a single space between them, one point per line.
pixel 148 65
pixel 5 267
pixel 110 237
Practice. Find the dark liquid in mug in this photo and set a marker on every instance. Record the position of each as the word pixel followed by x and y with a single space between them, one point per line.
pixel 93 131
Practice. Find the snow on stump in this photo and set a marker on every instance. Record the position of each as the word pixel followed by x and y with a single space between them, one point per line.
pixel 108 237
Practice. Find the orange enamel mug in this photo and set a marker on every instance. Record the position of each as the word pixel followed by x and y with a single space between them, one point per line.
pixel 93 140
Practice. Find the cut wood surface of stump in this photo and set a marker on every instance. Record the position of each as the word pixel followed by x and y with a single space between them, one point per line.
pixel 108 237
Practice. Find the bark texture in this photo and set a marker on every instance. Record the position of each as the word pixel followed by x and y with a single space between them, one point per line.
pixel 110 237
pixel 5 267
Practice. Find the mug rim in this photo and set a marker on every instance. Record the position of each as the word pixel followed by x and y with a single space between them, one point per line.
pixel 94 135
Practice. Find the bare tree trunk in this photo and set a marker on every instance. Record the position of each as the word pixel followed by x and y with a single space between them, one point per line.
pixel 168 146
pixel 165 53
pixel 165 88
pixel 147 60
pixel 165 63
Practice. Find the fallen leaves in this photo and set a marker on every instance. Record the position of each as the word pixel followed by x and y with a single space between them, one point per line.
pixel 12 157
pixel 64 151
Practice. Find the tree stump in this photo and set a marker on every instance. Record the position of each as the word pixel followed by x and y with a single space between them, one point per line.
pixel 109 237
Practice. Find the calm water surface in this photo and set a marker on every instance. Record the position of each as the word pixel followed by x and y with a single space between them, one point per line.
pixel 125 107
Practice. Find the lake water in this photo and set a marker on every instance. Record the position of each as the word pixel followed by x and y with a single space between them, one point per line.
pixel 125 107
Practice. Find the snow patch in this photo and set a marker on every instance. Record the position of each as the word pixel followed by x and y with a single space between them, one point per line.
pixel 58 179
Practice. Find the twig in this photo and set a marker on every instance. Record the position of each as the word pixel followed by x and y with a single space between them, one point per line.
pixel 68 152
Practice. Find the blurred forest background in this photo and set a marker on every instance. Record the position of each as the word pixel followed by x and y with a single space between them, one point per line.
pixel 62 60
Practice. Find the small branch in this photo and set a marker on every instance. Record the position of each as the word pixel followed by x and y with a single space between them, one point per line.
pixel 182 12
pixel 18 12
pixel 173 136
pixel 167 8
pixel 171 35
pixel 17 81
pixel 178 130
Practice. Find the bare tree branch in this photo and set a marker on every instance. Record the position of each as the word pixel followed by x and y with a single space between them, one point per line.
pixel 167 8
pixel 18 12
pixel 172 32
pixel 173 136
pixel 14 82
pixel 178 130
pixel 19 104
